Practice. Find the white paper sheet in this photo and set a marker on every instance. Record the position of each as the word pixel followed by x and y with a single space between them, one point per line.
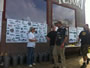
pixel 17 31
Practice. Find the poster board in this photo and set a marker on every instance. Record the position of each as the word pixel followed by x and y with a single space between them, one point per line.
pixel 79 29
pixel 17 30
pixel 74 34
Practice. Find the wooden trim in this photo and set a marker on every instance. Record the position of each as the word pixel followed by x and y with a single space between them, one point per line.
pixel 47 11
pixel 51 12
pixel 75 18
pixel 4 11
pixel 3 31
pixel 64 5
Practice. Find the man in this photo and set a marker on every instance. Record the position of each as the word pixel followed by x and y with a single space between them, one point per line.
pixel 59 47
pixel 84 36
pixel 31 47
pixel 51 36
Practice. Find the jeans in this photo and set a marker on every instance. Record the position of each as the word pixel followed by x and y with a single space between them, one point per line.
pixel 30 55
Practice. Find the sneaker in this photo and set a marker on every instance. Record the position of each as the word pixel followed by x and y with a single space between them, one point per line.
pixel 34 63
pixel 84 65
pixel 30 65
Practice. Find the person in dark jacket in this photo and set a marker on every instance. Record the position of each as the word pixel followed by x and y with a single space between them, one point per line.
pixel 84 36
pixel 59 48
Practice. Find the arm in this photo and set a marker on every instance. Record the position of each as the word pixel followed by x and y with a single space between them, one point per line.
pixel 48 38
pixel 65 40
pixel 62 45
pixel 32 40
pixel 79 37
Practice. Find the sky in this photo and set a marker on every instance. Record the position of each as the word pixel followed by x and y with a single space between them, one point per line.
pixel 22 9
pixel 87 11
pixel 64 14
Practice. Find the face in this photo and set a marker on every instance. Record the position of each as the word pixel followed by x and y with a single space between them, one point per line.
pixel 33 30
pixel 59 25
pixel 53 28
pixel 86 27
pixel 56 24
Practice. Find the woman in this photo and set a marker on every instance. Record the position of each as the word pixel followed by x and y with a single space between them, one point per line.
pixel 31 46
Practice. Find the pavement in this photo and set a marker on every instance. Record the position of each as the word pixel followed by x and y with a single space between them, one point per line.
pixel 71 62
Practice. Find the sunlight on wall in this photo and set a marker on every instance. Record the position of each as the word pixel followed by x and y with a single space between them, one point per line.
pixel 87 10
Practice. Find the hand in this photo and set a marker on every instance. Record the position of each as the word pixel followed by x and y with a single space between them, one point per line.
pixel 48 38
pixel 62 45
pixel 35 39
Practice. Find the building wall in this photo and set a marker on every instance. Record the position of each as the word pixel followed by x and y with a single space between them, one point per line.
pixel 17 49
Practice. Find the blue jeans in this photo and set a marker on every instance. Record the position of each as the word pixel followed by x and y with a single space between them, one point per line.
pixel 30 55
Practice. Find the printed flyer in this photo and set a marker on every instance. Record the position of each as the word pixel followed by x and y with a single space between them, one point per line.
pixel 17 31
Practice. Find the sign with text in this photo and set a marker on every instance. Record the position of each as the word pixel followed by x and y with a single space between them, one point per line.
pixel 78 3
pixel 17 30
pixel 74 33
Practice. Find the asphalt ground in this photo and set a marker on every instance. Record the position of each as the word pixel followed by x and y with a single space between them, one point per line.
pixel 71 62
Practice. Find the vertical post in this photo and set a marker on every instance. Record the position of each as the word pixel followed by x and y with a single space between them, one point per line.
pixel 4 10
pixel 3 33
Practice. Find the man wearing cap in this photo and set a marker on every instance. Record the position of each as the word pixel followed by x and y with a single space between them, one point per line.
pixel 59 47
pixel 30 47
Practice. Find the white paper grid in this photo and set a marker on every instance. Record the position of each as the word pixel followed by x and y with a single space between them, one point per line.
pixel 17 31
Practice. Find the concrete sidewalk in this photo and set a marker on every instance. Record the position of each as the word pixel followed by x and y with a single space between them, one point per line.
pixel 72 62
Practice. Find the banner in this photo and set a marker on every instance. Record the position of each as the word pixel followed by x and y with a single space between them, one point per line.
pixel 74 34
pixel 17 30
pixel 78 3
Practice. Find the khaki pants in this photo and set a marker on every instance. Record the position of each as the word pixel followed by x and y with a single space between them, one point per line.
pixel 84 50
pixel 57 51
